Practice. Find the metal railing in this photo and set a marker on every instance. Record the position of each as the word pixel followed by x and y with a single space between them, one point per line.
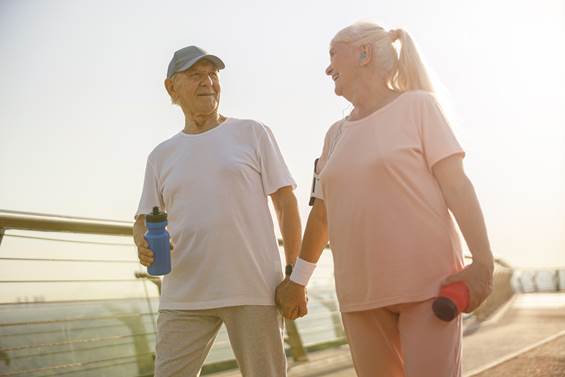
pixel 57 223
pixel 69 329
pixel 78 328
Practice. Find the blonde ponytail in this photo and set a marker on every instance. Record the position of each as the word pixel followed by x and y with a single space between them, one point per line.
pixel 411 73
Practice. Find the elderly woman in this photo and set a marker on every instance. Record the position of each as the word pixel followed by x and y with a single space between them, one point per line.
pixel 388 177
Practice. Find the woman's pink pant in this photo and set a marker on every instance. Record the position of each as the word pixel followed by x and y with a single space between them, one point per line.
pixel 403 340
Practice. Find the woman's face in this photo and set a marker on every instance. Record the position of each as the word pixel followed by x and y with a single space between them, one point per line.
pixel 344 63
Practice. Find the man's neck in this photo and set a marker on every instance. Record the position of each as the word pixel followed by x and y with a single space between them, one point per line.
pixel 195 124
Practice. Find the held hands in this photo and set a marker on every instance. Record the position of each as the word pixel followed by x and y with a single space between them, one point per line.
pixel 478 277
pixel 291 299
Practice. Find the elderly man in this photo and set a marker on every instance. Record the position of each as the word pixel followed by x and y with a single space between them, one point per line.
pixel 213 178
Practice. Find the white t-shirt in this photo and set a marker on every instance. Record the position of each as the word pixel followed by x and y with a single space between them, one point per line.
pixel 214 187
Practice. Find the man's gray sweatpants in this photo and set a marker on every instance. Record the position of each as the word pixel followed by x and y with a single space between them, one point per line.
pixel 184 338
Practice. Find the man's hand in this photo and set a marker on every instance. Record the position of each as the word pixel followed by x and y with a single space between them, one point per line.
pixel 478 277
pixel 144 254
pixel 291 299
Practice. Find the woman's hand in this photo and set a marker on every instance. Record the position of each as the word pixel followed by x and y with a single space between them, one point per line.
pixel 478 277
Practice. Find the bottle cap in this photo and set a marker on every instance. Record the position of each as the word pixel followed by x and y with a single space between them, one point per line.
pixel 445 309
pixel 156 216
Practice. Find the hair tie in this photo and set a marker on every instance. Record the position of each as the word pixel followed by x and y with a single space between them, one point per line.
pixel 394 35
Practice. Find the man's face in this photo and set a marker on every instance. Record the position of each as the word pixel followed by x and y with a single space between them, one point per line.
pixel 198 88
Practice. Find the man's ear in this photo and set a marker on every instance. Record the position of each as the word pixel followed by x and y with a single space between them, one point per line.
pixel 170 87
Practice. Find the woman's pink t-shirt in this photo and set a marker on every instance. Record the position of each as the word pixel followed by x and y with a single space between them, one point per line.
pixel 392 237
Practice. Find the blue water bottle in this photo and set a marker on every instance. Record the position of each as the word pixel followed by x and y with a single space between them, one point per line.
pixel 158 239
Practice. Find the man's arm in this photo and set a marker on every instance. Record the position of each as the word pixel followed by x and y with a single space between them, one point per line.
pixel 286 208
pixel 461 199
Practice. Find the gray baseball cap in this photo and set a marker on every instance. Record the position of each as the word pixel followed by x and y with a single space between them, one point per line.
pixel 186 57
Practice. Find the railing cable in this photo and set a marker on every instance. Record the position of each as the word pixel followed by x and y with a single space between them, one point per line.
pixel 71 241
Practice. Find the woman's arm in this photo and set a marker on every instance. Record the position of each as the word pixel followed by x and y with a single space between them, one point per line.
pixel 316 233
pixel 462 201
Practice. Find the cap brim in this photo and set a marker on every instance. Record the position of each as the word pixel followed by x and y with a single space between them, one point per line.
pixel 213 58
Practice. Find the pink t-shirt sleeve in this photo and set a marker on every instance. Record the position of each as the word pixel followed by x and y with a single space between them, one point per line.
pixel 438 139
pixel 316 184
pixel 330 142
pixel 325 153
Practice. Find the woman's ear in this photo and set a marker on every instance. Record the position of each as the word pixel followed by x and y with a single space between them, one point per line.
pixel 365 55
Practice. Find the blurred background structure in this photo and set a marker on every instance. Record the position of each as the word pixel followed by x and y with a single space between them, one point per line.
pixel 82 104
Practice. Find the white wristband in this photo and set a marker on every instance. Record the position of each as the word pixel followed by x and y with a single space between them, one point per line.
pixel 302 272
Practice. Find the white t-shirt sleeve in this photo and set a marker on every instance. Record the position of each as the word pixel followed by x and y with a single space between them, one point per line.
pixel 151 195
pixel 274 172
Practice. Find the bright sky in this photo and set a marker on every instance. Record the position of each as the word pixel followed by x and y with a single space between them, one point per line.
pixel 82 101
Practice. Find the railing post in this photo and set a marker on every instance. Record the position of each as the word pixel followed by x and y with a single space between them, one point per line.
pixel 153 279
pixel 295 341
